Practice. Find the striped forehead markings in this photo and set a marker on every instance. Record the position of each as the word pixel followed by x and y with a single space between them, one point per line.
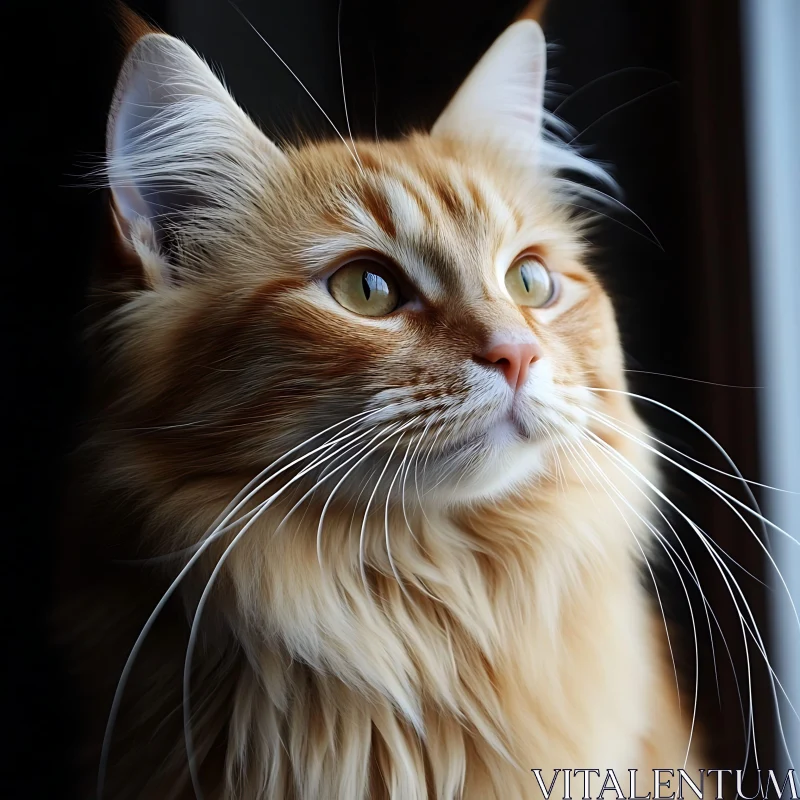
pixel 421 219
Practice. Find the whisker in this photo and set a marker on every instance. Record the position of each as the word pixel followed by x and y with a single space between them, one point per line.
pixel 620 107
pixel 365 484
pixel 612 199
pixel 375 106
pixel 386 520
pixel 405 479
pixel 689 567
pixel 611 423
pixel 578 92
pixel 560 474
pixel 691 380
pixel 652 238
pixel 331 469
pixel 247 492
pixel 611 452
pixel 667 547
pixel 341 73
pixel 208 538
pixel 424 469
pixel 724 569
pixel 725 497
pixel 674 449
pixel 195 628
pixel 591 462
pixel 302 85
pixel 703 431
pixel 436 436
pixel 362 537
pixel 394 428
pixel 448 470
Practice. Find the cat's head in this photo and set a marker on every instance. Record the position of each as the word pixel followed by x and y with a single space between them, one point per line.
pixel 424 303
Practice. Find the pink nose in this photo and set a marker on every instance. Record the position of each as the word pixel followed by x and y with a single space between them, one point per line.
pixel 514 358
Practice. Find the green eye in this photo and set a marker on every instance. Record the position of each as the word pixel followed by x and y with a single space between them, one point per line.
pixel 366 288
pixel 530 283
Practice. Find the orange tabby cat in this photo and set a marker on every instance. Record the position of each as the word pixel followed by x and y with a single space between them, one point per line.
pixel 430 582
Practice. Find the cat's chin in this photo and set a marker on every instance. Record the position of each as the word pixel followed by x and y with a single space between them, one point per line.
pixel 507 457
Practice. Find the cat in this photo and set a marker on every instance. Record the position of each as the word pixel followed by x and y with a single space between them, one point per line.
pixel 359 510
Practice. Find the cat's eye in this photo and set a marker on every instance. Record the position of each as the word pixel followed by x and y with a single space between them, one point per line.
pixel 365 287
pixel 530 283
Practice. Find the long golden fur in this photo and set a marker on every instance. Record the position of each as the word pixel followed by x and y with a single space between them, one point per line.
pixel 437 615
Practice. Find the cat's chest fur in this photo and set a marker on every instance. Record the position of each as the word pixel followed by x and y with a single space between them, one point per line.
pixel 490 644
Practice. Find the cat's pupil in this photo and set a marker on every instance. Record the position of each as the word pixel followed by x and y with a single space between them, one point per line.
pixel 370 282
pixel 525 277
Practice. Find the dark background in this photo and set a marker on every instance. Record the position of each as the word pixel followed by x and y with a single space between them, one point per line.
pixel 664 109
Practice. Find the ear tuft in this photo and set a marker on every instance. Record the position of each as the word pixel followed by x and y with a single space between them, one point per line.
pixel 178 147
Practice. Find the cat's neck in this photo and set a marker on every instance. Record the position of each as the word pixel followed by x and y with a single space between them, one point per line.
pixel 457 627
pixel 473 622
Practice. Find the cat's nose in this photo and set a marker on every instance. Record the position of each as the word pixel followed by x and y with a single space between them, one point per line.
pixel 513 358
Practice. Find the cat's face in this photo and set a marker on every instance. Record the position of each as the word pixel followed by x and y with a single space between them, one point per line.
pixel 424 304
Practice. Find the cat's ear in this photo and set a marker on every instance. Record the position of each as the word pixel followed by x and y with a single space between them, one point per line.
pixel 177 146
pixel 502 99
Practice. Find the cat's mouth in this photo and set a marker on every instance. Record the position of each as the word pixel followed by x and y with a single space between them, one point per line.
pixel 506 448
pixel 510 428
